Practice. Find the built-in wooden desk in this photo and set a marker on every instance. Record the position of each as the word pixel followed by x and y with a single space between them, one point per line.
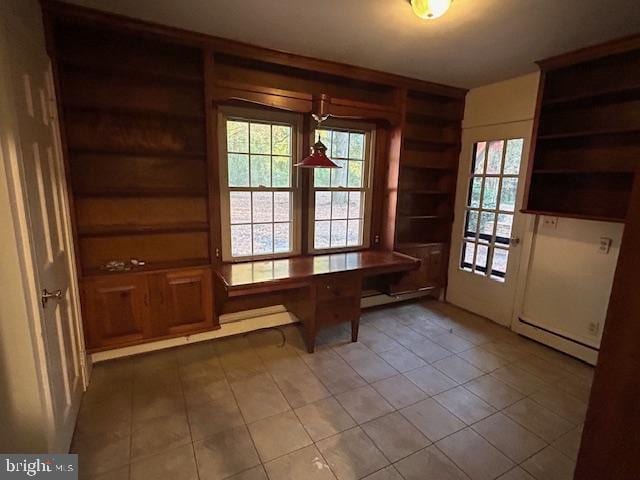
pixel 322 290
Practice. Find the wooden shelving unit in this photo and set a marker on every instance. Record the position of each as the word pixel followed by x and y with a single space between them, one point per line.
pixel 587 136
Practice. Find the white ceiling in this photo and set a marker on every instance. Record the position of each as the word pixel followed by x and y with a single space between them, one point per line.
pixel 477 42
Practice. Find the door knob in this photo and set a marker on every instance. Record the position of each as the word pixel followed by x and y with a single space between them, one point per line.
pixel 514 241
pixel 47 295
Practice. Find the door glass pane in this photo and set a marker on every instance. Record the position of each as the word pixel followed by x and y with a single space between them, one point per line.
pixel 490 194
pixel 476 191
pixel 513 156
pixel 494 157
pixel 508 194
pixel 238 167
pixel 262 207
pixel 472 223
pixel 323 205
pixel 499 263
pixel 503 229
pixel 478 162
pixel 468 250
pixel 487 219
pixel 482 254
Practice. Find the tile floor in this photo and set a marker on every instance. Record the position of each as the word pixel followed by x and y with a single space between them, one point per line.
pixel 428 393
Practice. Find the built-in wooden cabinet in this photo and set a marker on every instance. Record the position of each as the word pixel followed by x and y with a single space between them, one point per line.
pixel 586 148
pixel 432 272
pixel 126 309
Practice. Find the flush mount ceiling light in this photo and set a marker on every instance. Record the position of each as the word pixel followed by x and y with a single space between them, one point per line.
pixel 430 9
pixel 318 157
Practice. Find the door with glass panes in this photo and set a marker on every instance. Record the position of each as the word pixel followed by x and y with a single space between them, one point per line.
pixel 488 230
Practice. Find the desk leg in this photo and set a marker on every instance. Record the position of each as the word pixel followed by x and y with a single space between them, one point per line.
pixel 355 327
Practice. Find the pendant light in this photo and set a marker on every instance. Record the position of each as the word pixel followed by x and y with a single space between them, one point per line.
pixel 318 157
pixel 430 9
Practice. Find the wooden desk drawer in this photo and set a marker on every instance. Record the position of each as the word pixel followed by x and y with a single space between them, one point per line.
pixel 338 310
pixel 338 286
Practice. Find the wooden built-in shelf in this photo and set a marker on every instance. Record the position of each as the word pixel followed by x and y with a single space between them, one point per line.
pixel 193 117
pixel 577 216
pixel 566 171
pixel 589 133
pixel 614 93
pixel 124 230
pixel 150 267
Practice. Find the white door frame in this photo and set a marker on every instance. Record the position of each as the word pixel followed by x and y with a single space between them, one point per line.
pixel 11 154
pixel 526 226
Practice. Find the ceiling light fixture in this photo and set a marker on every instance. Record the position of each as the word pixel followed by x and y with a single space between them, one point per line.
pixel 430 9
pixel 318 157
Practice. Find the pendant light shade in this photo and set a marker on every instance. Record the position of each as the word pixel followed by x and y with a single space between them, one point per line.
pixel 318 158
pixel 430 9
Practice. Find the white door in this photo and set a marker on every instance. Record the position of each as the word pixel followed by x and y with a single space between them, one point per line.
pixel 487 233
pixel 42 182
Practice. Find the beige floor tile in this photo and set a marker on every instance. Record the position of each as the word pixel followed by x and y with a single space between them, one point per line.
pixel 102 453
pixel 159 434
pixel 388 473
pixel 430 380
pixel 153 404
pixel 399 391
pixel 177 464
pixel 569 443
pixel 306 464
pixel 395 436
pixel 376 340
pixel 493 391
pixel 429 464
pixel 225 454
pixel 259 397
pixel 561 403
pixel 453 342
pixel 464 405
pixel 351 454
pixel 432 419
pixel 509 437
pixel 577 386
pixel 539 420
pixel 516 474
pixel 121 473
pixel 335 373
pixel 517 378
pixel 474 455
pixel 324 418
pixel 255 473
pixel 485 361
pixel 402 359
pixel 373 368
pixel 205 391
pixel 364 403
pixel 111 416
pixel 214 417
pixel 426 349
pixel 301 389
pixel 278 435
pixel 505 350
pixel 541 369
pixel 549 464
pixel 458 369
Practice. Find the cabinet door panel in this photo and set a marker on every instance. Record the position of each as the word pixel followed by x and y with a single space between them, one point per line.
pixel 431 273
pixel 116 310
pixel 189 300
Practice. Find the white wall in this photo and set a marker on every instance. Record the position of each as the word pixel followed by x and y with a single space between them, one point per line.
pixel 565 282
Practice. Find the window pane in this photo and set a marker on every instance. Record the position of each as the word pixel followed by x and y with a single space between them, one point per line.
pixel 487 220
pixel 499 263
pixel 338 233
pixel 262 238
pixel 340 148
pixel 237 136
pixel 281 237
pixel 238 167
pixel 481 257
pixel 339 175
pixel 281 140
pixel 321 234
pixel 513 156
pixel 356 146
pixel 281 206
pixel 262 207
pixel 321 177
pixel 281 171
pixel 260 171
pixel 355 174
pixel 325 137
pixel 472 223
pixel 240 240
pixel 240 206
pixel 505 224
pixel 494 157
pixel 323 206
pixel 476 190
pixel 355 205
pixel 490 194
pixel 508 194
pixel 467 253
pixel 353 233
pixel 478 162
pixel 339 205
pixel 260 136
